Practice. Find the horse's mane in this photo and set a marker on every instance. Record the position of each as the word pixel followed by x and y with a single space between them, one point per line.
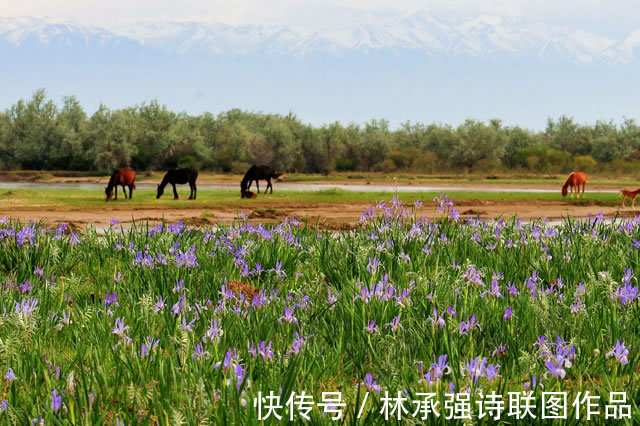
pixel 566 184
pixel 165 179
pixel 112 180
pixel 248 175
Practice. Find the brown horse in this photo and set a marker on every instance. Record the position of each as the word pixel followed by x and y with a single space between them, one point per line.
pixel 629 194
pixel 123 177
pixel 573 182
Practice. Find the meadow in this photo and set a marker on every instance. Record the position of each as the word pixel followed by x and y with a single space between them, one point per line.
pixel 92 200
pixel 404 316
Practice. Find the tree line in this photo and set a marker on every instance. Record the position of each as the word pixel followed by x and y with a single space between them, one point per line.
pixel 38 134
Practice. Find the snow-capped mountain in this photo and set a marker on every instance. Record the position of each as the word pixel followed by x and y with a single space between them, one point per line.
pixel 483 37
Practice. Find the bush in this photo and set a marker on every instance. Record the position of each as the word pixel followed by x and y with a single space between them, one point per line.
pixel 426 162
pixel 188 161
pixel 385 166
pixel 239 167
pixel 487 165
pixel 346 164
pixel 585 163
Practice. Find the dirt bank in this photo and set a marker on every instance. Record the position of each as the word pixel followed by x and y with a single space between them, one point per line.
pixel 336 215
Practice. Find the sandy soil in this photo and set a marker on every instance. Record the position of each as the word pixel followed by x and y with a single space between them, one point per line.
pixel 336 215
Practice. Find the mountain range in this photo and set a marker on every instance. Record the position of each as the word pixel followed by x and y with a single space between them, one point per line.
pixel 484 37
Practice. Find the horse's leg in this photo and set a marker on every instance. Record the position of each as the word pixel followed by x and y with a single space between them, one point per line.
pixel 116 189
pixel 130 191
pixel 175 193
pixel 269 185
pixel 258 186
pixel 124 190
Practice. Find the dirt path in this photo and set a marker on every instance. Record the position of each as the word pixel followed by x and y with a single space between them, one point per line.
pixel 336 215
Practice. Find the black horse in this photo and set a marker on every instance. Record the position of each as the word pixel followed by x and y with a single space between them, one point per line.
pixel 179 176
pixel 258 173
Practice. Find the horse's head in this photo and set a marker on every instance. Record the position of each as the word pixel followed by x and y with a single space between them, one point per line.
pixel 243 188
pixel 108 192
pixel 564 190
pixel 160 192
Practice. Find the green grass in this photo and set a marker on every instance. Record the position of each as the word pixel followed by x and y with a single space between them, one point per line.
pixel 91 200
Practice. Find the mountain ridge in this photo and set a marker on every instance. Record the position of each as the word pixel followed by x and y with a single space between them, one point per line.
pixel 482 37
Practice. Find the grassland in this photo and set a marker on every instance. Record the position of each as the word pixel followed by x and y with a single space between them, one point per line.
pixel 176 325
pixel 89 200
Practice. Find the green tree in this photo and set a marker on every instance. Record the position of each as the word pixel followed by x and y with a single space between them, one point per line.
pixel 475 142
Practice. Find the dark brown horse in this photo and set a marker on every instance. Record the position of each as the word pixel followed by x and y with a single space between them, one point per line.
pixel 249 194
pixel 179 176
pixel 123 177
pixel 258 173
pixel 573 182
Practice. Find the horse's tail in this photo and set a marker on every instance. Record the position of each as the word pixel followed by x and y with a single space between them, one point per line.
pixel 566 185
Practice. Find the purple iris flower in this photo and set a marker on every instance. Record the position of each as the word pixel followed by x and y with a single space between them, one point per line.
pixel 111 299
pixel 240 373
pixel 469 325
pixel 508 313
pixel 620 352
pixel 373 265
pixel 436 320
pixel 370 383
pixel 394 324
pixel 437 370
pixel 288 316
pixel 214 332
pixel 297 344
pixel 10 376
pixel 159 306
pixel 56 400
pixel 177 309
pixel 199 352
pixel 371 328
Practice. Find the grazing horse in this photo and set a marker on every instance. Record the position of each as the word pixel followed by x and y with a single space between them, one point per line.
pixel 123 177
pixel 573 182
pixel 248 194
pixel 629 194
pixel 258 173
pixel 179 176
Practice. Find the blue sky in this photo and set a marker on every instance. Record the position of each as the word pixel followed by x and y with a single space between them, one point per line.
pixel 321 88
